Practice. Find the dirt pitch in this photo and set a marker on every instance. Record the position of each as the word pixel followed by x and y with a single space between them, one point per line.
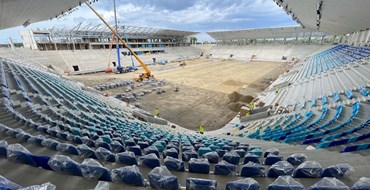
pixel 204 87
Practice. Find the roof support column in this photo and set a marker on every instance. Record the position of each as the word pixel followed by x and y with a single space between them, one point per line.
pixel 362 41
pixel 340 40
pixel 350 39
pixel 357 39
pixel 367 37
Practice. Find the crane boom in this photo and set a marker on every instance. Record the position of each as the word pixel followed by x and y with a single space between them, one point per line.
pixel 148 73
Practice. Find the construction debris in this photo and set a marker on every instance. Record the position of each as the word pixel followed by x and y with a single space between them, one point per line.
pixel 134 91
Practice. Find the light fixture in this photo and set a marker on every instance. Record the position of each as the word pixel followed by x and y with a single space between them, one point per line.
pixel 27 23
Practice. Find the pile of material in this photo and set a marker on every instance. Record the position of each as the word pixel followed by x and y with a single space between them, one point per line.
pixel 115 84
pixel 134 91
pixel 237 101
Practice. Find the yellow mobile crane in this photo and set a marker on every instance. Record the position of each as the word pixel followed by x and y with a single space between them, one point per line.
pixel 142 76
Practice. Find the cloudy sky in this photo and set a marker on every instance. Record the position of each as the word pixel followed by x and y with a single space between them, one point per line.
pixel 191 15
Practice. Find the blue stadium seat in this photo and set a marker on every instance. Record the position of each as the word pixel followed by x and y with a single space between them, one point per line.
pixel 130 142
pixel 150 161
pixel 224 168
pixel 296 159
pixel 243 184
pixel 6 184
pixel 203 150
pixel 102 144
pixel 232 157
pixel 338 170
pixel 143 144
pixel 104 154
pixel 161 178
pixel 171 152
pixel 256 151
pixel 23 136
pixel 272 159
pixel 241 152
pixel 127 158
pixel 50 143
pixel 85 152
pixel 252 169
pixel 362 184
pixel 199 166
pixel 200 184
pixel 251 158
pixel 19 154
pixel 308 169
pixel 135 149
pixel 67 148
pixel 64 164
pixel 3 147
pixel 285 183
pixel 221 152
pixel 151 149
pixel 329 184
pixel 212 157
pixel 128 175
pixel 117 147
pixel 174 164
pixel 91 169
pixel 280 168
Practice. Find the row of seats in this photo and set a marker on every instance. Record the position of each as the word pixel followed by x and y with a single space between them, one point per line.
pixel 160 177
pixel 6 184
pixel 334 58
pixel 251 167
pixel 304 130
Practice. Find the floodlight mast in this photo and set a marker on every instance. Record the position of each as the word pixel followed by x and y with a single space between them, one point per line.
pixel 147 73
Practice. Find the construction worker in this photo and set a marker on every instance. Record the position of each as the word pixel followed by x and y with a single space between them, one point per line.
pixel 156 112
pixel 276 90
pixel 201 129
pixel 251 106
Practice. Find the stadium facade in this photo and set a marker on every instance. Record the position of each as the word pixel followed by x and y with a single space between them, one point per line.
pixel 90 37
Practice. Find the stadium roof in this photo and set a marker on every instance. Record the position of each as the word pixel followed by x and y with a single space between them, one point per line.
pixel 24 12
pixel 332 16
pixel 101 30
pixel 262 33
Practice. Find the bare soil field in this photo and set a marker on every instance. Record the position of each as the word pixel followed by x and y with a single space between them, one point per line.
pixel 204 88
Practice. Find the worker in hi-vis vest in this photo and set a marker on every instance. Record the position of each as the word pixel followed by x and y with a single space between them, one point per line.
pixel 251 106
pixel 276 89
pixel 201 129
pixel 156 112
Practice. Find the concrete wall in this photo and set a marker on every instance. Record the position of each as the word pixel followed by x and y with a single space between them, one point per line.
pixel 94 60
pixel 150 119
pixel 28 39
pixel 261 52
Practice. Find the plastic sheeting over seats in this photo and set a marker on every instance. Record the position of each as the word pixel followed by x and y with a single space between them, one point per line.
pixel 161 178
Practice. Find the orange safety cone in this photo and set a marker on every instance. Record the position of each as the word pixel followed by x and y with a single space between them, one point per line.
pixel 109 70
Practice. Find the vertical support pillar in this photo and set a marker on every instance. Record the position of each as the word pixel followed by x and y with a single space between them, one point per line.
pixel 367 37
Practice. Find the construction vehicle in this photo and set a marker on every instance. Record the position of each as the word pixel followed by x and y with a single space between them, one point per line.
pixel 142 76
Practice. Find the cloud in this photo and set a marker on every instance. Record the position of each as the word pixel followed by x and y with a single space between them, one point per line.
pixel 190 15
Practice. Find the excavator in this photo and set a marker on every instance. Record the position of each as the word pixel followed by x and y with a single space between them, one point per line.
pixel 148 74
